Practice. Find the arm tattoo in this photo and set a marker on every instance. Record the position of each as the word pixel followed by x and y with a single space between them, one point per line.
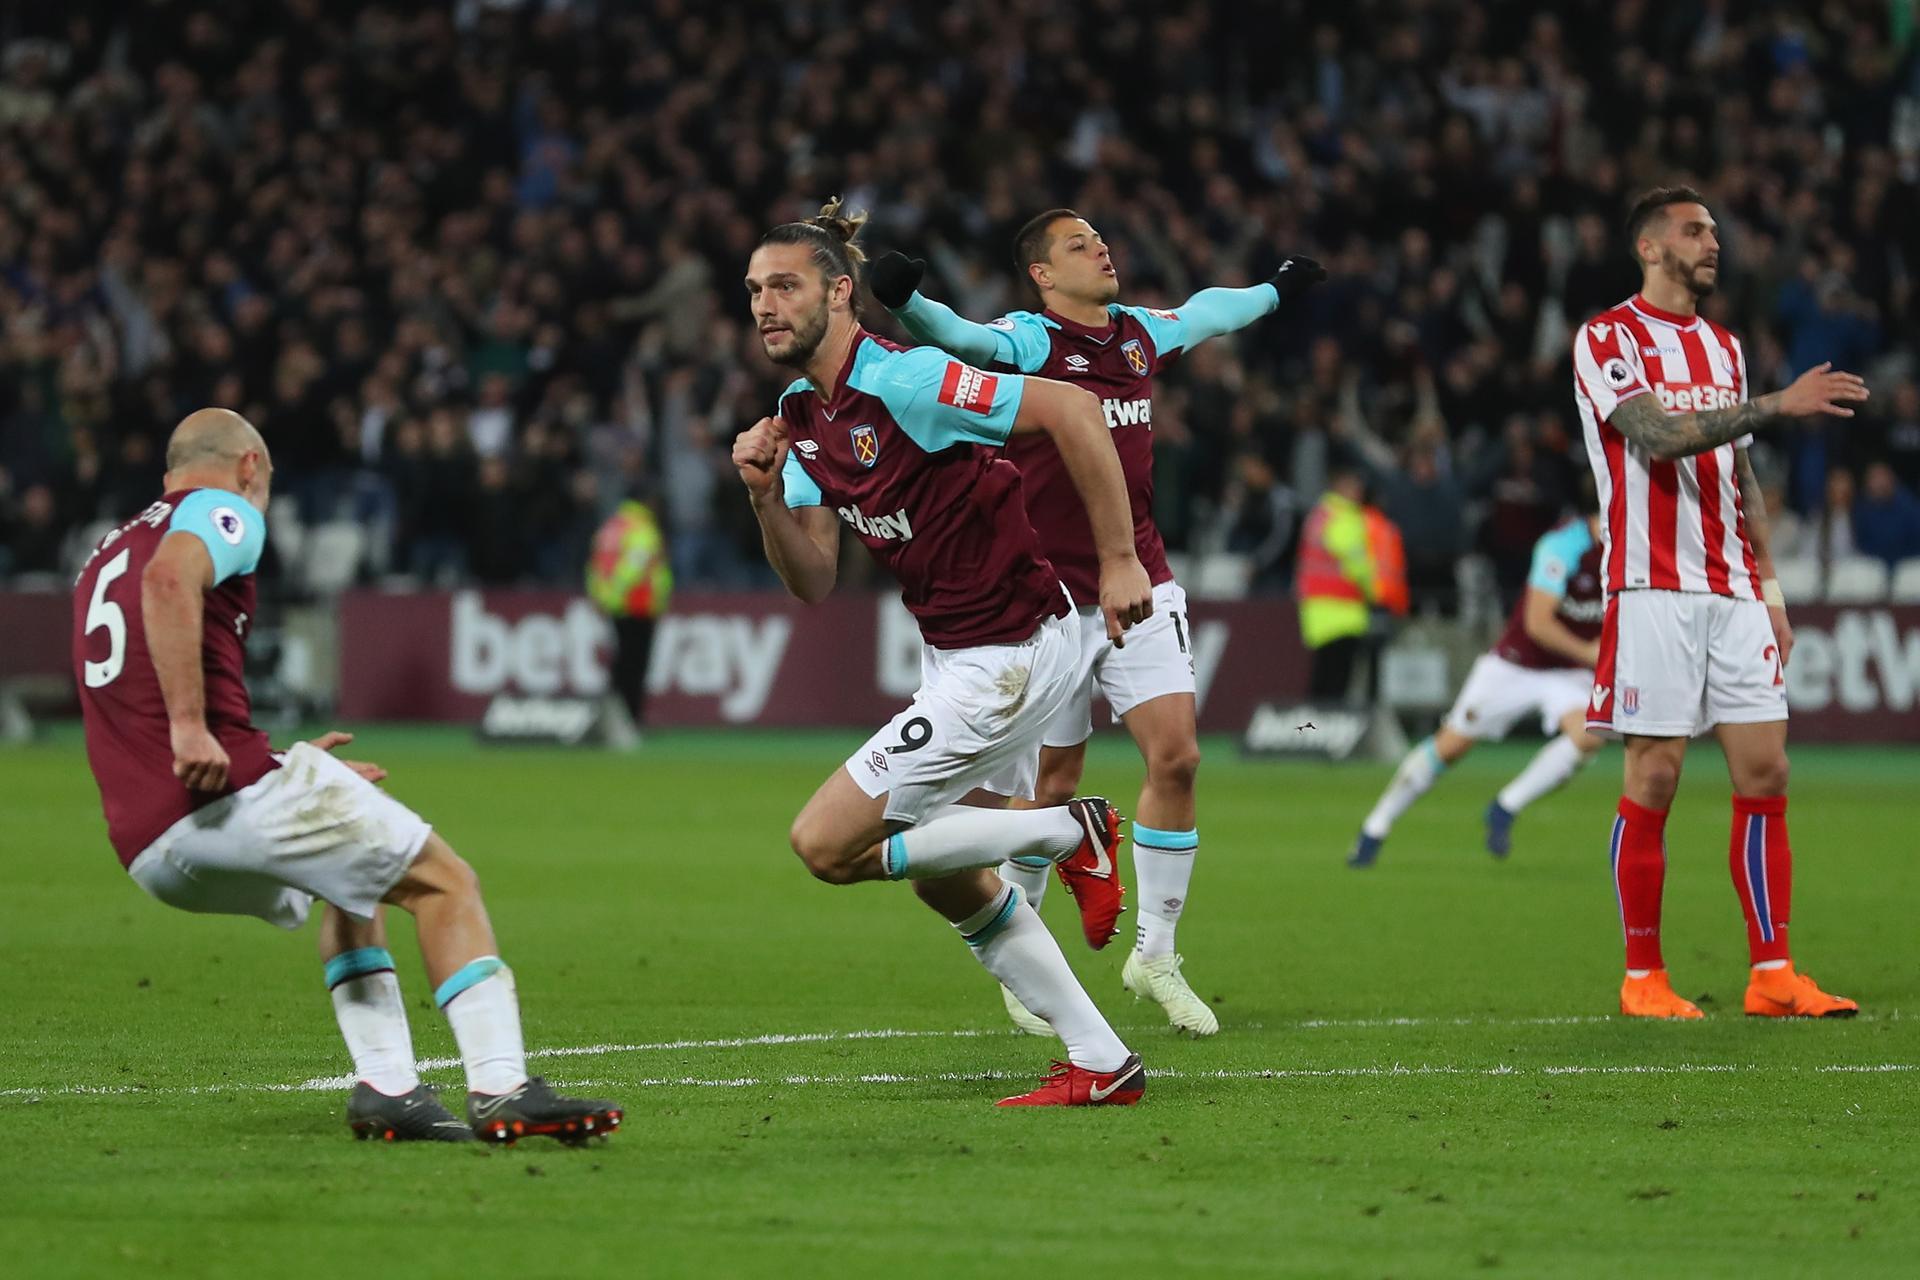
pixel 1753 506
pixel 1669 436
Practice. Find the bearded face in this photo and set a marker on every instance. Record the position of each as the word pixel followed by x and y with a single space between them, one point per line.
pixel 1698 276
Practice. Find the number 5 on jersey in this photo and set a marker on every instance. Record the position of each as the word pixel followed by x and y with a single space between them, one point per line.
pixel 102 612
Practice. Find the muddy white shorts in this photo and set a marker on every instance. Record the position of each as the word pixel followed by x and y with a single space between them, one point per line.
pixel 312 828
pixel 1157 660
pixel 1674 664
pixel 1498 693
pixel 975 723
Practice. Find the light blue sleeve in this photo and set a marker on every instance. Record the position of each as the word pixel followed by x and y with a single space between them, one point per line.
pixel 234 532
pixel 940 401
pixel 1556 556
pixel 1207 314
pixel 941 326
pixel 802 490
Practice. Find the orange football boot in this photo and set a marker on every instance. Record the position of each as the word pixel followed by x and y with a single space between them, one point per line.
pixel 1783 993
pixel 1653 997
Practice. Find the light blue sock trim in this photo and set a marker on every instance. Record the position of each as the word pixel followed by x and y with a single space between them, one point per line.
pixel 1433 755
pixel 1171 841
pixel 893 856
pixel 471 974
pixel 357 964
pixel 991 929
pixel 1031 861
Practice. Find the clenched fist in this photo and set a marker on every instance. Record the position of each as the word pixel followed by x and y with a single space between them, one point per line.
pixel 760 452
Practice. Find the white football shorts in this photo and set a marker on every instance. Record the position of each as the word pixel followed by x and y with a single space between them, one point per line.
pixel 1673 664
pixel 1157 660
pixel 975 723
pixel 312 828
pixel 1497 693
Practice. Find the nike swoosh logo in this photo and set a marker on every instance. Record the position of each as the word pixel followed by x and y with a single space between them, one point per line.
pixel 1097 1094
pixel 1102 864
pixel 493 1104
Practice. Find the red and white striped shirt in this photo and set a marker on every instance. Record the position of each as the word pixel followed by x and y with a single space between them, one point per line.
pixel 1670 525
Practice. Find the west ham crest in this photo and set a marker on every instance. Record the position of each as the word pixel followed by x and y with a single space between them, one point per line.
pixel 866 445
pixel 1136 356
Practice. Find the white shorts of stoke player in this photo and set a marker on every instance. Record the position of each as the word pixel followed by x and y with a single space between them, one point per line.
pixel 312 828
pixel 1157 660
pixel 975 723
pixel 1673 664
pixel 1498 693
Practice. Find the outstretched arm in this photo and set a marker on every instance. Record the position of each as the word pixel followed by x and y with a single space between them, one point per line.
pixel 942 326
pixel 1212 312
pixel 1667 436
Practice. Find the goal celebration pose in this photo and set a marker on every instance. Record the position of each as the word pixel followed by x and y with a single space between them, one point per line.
pixel 1695 636
pixel 1081 335
pixel 207 817
pixel 902 447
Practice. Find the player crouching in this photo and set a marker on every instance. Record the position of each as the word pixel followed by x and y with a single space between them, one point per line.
pixel 207 818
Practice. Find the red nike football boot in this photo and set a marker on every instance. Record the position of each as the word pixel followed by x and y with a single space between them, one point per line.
pixel 1070 1086
pixel 1091 874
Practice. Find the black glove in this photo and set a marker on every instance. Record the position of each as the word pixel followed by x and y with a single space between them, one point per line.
pixel 1295 276
pixel 894 278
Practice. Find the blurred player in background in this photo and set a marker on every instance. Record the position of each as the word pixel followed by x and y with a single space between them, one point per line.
pixel 1695 636
pixel 902 447
pixel 1542 665
pixel 1081 335
pixel 206 817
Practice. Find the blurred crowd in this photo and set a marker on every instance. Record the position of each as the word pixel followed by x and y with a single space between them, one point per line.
pixel 473 267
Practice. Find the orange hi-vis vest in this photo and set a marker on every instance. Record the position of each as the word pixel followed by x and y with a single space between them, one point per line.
pixel 1319 573
pixel 1389 553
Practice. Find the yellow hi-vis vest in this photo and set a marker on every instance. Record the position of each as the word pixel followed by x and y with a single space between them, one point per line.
pixel 1334 572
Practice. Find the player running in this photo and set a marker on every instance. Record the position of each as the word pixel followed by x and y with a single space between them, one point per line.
pixel 1542 664
pixel 900 445
pixel 1695 635
pixel 1082 335
pixel 207 817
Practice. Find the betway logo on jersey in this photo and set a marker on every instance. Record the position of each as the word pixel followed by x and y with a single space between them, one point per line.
pixel 1696 398
pixel 1583 610
pixel 885 528
pixel 1128 413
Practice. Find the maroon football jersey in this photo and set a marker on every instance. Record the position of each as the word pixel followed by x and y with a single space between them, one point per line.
pixel 906 453
pixel 1117 364
pixel 128 743
pixel 1567 561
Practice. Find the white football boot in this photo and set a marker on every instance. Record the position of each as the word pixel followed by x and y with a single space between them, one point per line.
pixel 1022 1019
pixel 1159 980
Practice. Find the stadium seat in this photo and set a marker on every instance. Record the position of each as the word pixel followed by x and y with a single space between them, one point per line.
pixel 1479 592
pixel 1906 582
pixel 333 556
pixel 1857 580
pixel 1223 575
pixel 285 530
pixel 1799 579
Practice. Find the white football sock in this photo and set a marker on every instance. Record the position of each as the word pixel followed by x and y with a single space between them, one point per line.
pixel 1550 767
pixel 1032 880
pixel 1162 868
pixel 1016 948
pixel 373 1021
pixel 484 1010
pixel 980 838
pixel 1410 781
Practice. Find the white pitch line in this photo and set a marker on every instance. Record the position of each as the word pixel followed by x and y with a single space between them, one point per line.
pixel 1391 1071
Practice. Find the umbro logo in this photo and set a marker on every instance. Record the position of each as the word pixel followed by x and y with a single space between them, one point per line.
pixel 1077 364
pixel 807 448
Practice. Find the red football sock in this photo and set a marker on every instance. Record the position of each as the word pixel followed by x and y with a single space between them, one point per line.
pixel 1639 851
pixel 1762 865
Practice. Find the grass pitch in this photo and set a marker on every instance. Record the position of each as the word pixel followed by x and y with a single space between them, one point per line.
pixel 1416 1074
